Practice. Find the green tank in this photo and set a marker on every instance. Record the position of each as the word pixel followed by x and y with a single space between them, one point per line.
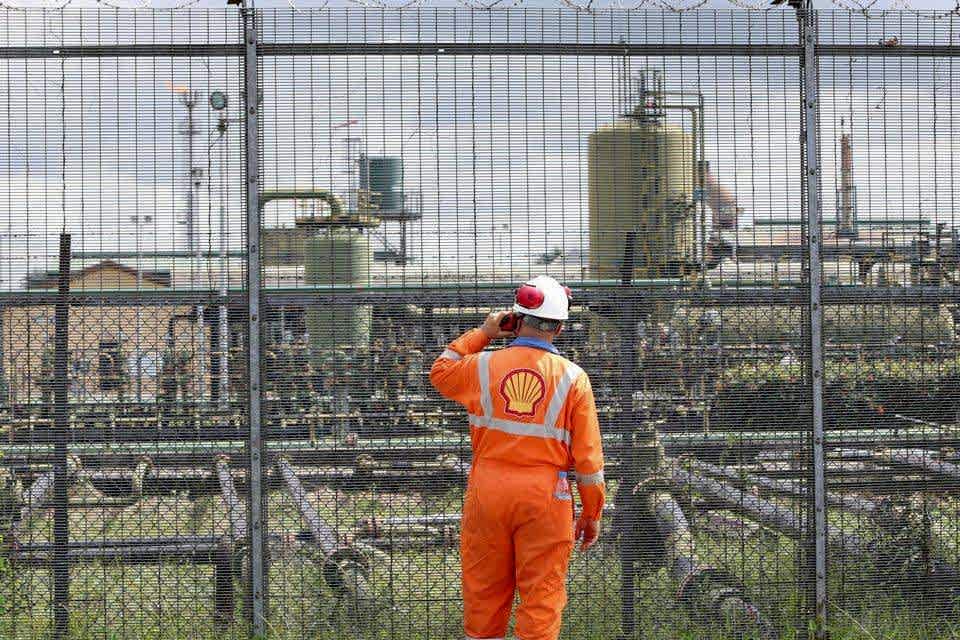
pixel 338 257
pixel 641 179
pixel 383 176
pixel 282 246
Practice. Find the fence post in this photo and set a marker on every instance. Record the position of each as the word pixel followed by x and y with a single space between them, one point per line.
pixel 814 202
pixel 61 471
pixel 252 175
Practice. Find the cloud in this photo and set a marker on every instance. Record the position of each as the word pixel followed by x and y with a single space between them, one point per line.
pixel 496 144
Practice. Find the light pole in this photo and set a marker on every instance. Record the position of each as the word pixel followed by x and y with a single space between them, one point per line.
pixel 189 98
pixel 219 102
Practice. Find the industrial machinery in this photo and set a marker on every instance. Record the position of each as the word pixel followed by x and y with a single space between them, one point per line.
pixel 641 182
pixel 382 193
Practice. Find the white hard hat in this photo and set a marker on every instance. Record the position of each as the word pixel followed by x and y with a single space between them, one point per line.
pixel 543 297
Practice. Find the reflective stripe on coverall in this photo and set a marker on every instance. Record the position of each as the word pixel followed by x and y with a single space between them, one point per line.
pixel 532 417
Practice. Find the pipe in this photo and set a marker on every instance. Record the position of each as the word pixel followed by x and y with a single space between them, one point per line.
pixel 920 460
pixel 41 491
pixel 344 567
pixel 224 591
pixel 331 199
pixel 725 526
pixel 179 549
pixel 710 594
pixel 136 482
pixel 847 221
pixel 236 510
pixel 115 483
pixel 371 527
pixel 767 513
pixel 792 488
pixel 721 201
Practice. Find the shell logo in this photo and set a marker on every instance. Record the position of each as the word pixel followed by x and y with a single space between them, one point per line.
pixel 523 389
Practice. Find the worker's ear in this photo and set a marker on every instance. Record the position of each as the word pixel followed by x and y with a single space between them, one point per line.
pixel 559 329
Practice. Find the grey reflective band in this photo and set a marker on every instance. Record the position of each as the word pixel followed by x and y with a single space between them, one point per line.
pixel 450 354
pixel 548 429
pixel 590 478
pixel 483 371
pixel 521 428
pixel 560 394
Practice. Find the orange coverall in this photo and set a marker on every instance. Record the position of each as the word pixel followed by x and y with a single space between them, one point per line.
pixel 532 414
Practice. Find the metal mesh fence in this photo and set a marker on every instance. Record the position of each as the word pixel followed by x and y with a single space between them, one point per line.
pixel 235 243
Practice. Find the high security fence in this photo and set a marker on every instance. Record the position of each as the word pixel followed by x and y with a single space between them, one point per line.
pixel 233 243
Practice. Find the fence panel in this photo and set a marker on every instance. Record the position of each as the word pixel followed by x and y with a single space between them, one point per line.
pixel 421 164
pixel 887 129
pixel 121 182
pixel 408 169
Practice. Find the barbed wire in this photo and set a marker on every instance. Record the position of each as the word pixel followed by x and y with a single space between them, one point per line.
pixel 901 5
pixel 144 4
pixel 582 6
pixel 64 5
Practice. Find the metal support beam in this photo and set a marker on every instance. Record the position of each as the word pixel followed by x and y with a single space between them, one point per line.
pixel 814 226
pixel 258 562
pixel 149 551
pixel 472 48
pixel 489 295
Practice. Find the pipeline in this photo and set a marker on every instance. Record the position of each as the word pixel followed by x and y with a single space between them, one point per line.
pixel 723 526
pixel 331 199
pixel 236 510
pixel 792 488
pixel 41 491
pixel 200 481
pixel 767 513
pixel 344 568
pixel 710 594
pixel 136 482
pixel 919 460
pixel 333 452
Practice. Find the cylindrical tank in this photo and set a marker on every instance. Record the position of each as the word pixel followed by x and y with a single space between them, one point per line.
pixel 282 246
pixel 338 257
pixel 383 176
pixel 641 180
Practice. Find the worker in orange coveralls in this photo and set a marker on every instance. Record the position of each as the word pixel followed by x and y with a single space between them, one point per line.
pixel 532 417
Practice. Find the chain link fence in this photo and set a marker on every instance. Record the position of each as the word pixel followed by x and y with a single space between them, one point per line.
pixel 233 244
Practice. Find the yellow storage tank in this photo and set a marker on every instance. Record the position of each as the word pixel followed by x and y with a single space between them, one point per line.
pixel 641 179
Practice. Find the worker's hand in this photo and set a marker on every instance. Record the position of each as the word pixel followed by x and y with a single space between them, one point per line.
pixel 491 326
pixel 587 532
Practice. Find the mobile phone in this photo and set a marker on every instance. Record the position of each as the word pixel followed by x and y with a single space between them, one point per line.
pixel 509 322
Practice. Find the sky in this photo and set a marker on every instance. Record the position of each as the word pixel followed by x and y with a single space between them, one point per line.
pixel 496 146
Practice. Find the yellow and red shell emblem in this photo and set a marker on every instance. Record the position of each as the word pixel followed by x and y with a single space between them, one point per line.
pixel 523 389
